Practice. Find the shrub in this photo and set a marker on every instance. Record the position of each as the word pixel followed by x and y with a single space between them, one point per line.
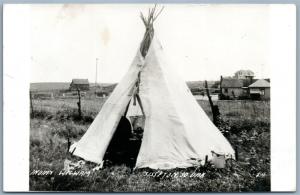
pixel 41 114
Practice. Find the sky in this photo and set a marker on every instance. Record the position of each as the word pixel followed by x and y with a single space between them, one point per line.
pixel 201 42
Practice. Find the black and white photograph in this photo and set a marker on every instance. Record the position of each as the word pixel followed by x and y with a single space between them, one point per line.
pixel 150 97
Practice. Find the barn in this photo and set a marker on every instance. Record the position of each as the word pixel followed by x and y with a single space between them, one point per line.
pixel 81 84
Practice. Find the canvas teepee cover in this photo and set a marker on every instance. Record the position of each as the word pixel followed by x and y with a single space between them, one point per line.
pixel 176 127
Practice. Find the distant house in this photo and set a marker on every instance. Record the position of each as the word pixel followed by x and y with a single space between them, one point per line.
pixel 81 84
pixel 232 88
pixel 260 89
pixel 243 74
pixel 243 86
pixel 249 88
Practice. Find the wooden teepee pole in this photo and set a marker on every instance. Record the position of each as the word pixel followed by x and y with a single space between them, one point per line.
pixel 148 22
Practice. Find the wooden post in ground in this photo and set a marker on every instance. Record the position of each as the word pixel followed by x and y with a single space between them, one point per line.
pixel 236 154
pixel 221 93
pixel 69 144
pixel 79 103
pixel 214 108
pixel 31 106
pixel 206 160
pixel 68 139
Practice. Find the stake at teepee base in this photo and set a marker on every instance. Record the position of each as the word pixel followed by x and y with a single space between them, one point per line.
pixel 176 128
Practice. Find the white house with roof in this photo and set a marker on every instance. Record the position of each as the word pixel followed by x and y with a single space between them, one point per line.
pixel 260 89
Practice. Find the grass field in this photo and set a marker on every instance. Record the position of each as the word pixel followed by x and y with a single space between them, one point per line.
pixel 246 124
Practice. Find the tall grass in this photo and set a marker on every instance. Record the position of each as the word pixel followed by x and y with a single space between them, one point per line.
pixel 247 122
pixel 240 109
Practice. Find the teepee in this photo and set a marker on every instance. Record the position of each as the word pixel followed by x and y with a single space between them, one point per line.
pixel 176 130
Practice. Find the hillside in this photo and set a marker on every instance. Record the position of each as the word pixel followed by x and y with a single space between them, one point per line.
pixel 49 86
pixel 199 84
pixel 56 86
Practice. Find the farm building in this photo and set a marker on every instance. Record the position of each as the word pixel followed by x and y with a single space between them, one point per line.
pixel 233 88
pixel 260 89
pixel 81 84
pixel 249 88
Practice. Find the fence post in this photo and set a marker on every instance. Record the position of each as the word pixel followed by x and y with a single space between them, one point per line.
pixel 214 108
pixel 69 144
pixel 31 106
pixel 79 103
pixel 221 93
